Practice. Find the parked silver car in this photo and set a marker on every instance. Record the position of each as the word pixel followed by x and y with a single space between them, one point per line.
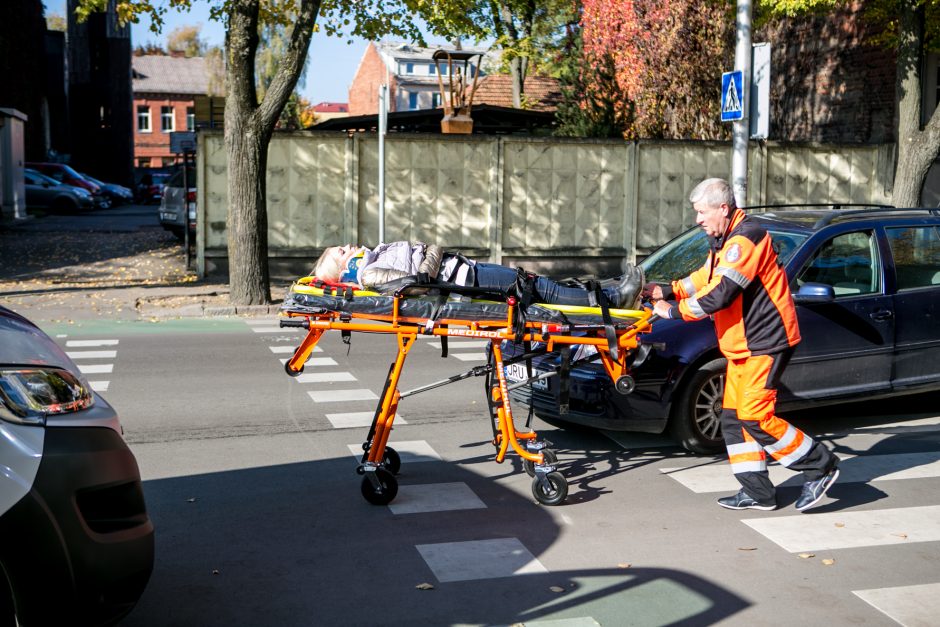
pixel 44 192
pixel 175 197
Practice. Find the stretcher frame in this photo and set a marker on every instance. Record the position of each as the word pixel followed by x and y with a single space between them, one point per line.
pixel 617 346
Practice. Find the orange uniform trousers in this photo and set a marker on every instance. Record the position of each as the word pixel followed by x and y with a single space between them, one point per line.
pixel 752 430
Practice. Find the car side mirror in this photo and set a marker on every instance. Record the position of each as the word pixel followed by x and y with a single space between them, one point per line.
pixel 814 293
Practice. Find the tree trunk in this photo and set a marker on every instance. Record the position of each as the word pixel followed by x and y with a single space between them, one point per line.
pixel 917 149
pixel 248 129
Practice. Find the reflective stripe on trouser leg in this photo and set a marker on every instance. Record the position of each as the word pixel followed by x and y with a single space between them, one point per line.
pixel 758 377
pixel 747 458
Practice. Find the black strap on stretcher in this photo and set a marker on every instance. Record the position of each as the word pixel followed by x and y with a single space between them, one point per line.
pixel 604 305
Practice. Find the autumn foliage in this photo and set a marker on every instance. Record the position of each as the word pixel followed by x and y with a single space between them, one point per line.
pixel 667 58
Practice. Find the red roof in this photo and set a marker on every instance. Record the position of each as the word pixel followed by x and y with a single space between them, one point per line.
pixel 331 107
pixel 542 92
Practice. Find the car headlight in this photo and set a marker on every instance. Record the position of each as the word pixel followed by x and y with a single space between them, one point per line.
pixel 28 395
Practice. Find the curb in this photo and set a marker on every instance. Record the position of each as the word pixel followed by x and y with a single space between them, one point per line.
pixel 201 311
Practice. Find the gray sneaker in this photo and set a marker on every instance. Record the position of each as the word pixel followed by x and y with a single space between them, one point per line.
pixel 813 491
pixel 742 501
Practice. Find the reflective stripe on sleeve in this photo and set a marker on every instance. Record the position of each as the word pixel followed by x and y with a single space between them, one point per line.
pixel 695 309
pixel 734 275
pixel 688 286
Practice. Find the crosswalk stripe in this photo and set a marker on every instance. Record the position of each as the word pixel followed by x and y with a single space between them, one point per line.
pixel 91 354
pixel 459 344
pixel 99 386
pixel 469 356
pixel 291 349
pixel 357 419
pixel 912 606
pixel 88 343
pixel 845 530
pixel 853 469
pixel 435 497
pixel 410 451
pixel 479 559
pixel 315 361
pixel 96 368
pixel 324 377
pixel 335 396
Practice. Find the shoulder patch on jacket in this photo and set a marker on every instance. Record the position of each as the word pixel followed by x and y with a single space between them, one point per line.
pixel 733 253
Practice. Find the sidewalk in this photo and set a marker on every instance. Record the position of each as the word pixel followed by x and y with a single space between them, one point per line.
pixel 56 275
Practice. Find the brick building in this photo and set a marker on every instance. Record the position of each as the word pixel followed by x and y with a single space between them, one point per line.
pixel 329 110
pixel 165 88
pixel 410 72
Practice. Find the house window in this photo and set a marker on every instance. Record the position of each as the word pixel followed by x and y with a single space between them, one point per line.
pixel 435 100
pixel 409 68
pixel 432 69
pixel 143 119
pixel 190 118
pixel 166 119
pixel 413 100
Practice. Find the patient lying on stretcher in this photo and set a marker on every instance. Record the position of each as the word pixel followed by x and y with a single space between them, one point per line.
pixel 368 268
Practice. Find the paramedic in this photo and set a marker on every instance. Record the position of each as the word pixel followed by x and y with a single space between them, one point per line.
pixel 367 267
pixel 744 289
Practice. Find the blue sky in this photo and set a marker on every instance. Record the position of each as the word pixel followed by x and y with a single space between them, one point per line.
pixel 330 66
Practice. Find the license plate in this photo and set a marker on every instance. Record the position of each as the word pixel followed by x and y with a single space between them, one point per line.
pixel 168 216
pixel 517 372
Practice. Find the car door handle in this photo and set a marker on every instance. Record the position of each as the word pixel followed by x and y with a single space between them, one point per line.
pixel 881 315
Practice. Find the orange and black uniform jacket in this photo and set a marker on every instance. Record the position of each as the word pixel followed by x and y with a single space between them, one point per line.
pixel 744 288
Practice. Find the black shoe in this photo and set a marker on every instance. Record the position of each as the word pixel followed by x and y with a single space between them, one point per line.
pixel 813 491
pixel 630 286
pixel 742 501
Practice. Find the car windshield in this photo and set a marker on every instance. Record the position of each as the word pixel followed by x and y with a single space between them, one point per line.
pixel 38 178
pixel 686 253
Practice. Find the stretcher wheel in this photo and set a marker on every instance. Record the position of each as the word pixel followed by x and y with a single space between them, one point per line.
pixel 391 460
pixel 387 490
pixel 548 456
pixel 292 373
pixel 554 495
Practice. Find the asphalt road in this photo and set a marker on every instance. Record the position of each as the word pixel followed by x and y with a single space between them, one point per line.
pixel 250 480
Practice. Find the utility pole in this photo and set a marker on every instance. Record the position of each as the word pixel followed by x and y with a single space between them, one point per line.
pixel 741 129
pixel 383 123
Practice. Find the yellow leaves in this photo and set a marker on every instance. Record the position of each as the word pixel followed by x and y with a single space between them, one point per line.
pixel 806 556
pixel 828 561
pixel 424 586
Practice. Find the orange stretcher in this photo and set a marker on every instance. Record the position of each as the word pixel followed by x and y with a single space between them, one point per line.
pixel 542 328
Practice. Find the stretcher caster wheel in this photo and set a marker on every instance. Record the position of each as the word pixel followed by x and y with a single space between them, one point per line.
pixel 383 493
pixel 552 494
pixel 292 373
pixel 391 460
pixel 548 457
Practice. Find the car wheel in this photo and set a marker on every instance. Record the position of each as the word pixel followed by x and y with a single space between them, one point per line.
pixel 696 414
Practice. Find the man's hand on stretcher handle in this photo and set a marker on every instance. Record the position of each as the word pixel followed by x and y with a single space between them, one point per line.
pixel 654 292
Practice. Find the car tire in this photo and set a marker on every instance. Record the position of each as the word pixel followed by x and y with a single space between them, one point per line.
pixel 696 415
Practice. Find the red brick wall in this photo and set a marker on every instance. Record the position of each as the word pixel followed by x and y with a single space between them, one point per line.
pixel 364 90
pixel 155 145
pixel 827 85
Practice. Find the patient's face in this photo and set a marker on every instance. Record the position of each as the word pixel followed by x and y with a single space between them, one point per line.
pixel 341 254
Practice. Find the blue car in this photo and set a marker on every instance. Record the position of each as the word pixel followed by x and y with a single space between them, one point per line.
pixel 867 287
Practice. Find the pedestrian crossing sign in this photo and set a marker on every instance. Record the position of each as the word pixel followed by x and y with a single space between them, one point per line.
pixel 732 96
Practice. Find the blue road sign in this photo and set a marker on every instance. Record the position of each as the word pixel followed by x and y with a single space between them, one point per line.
pixel 732 96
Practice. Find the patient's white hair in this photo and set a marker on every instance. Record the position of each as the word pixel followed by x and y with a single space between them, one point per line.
pixel 713 192
pixel 327 267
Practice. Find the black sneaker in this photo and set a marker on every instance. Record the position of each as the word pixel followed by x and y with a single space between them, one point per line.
pixel 813 491
pixel 742 501
pixel 630 286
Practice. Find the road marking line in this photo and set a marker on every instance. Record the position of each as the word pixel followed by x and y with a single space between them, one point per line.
pixel 86 343
pixel 357 419
pixel 336 396
pixel 409 451
pixel 290 349
pixel 469 356
pixel 914 606
pixel 99 386
pixel 435 497
pixel 458 344
pixel 91 354
pixel 479 559
pixel 717 477
pixel 315 361
pixel 96 368
pixel 845 530
pixel 324 377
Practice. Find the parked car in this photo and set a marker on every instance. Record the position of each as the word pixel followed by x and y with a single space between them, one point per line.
pixel 149 189
pixel 175 196
pixel 117 194
pixel 78 545
pixel 867 287
pixel 66 174
pixel 43 192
